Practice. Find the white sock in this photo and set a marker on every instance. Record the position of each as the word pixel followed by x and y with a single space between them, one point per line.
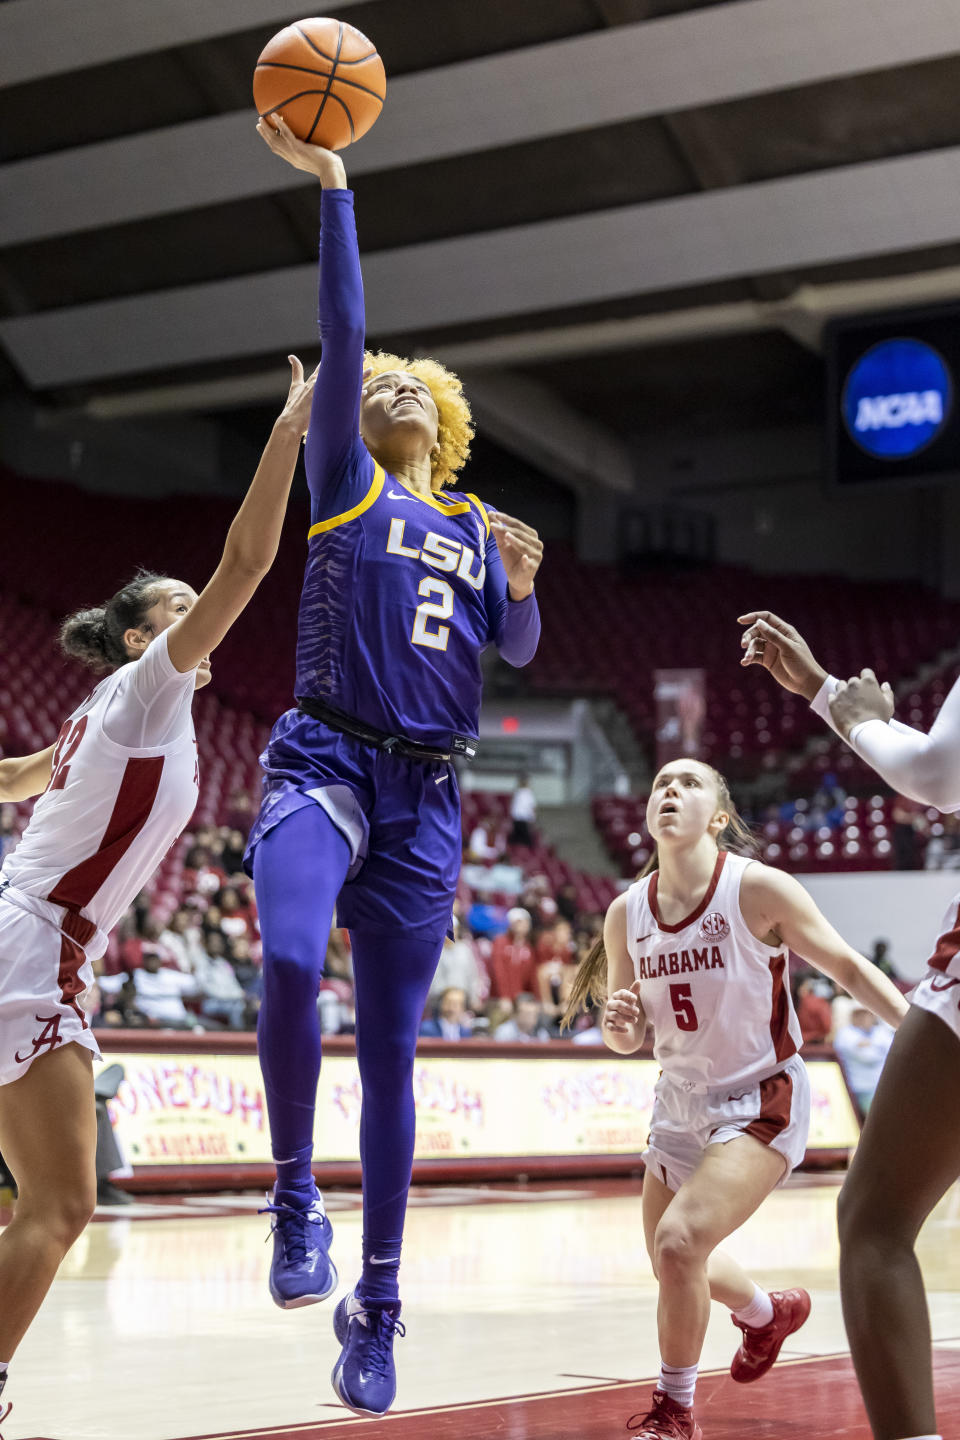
pixel 758 1313
pixel 679 1384
pixel 923 1437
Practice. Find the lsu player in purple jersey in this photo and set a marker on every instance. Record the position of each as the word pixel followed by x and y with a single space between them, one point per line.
pixel 697 948
pixel 405 586
pixel 909 1153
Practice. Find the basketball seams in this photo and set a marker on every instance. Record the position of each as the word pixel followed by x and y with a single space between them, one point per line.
pixel 333 71
pixel 371 54
pixel 335 58
pixel 330 59
pixel 346 109
pixel 322 74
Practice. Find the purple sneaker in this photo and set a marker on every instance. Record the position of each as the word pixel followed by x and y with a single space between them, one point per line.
pixel 365 1377
pixel 301 1271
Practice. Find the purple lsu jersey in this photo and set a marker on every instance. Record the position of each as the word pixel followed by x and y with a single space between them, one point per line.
pixel 396 605
pixel 402 591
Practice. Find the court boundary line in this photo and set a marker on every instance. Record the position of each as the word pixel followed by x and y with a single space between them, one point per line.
pixel 304 1427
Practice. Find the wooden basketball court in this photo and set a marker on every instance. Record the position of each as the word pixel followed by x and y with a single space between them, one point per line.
pixel 530 1313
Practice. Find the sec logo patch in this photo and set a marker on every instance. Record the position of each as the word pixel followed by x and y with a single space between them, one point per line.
pixel 713 927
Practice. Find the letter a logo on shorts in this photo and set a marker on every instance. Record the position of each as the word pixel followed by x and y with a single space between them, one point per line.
pixel 49 1035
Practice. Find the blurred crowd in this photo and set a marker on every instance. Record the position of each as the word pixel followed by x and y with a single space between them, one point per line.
pixel 199 969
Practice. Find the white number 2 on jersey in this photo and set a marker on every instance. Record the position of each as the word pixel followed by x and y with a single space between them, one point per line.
pixel 440 609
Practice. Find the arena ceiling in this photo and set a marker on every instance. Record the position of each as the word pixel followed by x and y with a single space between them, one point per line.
pixel 616 217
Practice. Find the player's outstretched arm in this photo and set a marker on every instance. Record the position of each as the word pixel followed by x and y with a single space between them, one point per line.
pixel 335 424
pixel 624 1023
pixel 252 539
pixel 776 906
pixel 23 776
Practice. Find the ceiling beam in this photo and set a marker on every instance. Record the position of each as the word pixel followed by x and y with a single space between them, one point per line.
pixel 803 313
pixel 809 220
pixel 531 421
pixel 657 67
pixel 39 38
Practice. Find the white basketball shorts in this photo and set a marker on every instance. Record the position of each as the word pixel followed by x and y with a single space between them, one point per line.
pixel 42 971
pixel 775 1111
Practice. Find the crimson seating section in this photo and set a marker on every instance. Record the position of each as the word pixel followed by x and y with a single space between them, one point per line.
pixel 92 544
pixel 856 835
pixel 605 633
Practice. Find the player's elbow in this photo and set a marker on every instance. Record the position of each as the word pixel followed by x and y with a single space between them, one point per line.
pixel 248 557
pixel 517 657
pixel 938 781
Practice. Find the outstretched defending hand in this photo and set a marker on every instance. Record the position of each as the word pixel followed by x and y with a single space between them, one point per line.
pixel 296 410
pixel 327 166
pixel 861 698
pixel 521 551
pixel 782 650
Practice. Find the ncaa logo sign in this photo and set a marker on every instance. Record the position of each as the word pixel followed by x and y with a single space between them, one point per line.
pixel 897 399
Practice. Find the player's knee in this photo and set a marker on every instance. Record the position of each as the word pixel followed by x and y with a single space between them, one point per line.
pixel 864 1219
pixel 65 1213
pixel 677 1249
pixel 293 967
pixel 388 1061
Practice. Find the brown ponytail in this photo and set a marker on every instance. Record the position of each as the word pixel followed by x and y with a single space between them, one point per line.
pixel 590 982
pixel 95 637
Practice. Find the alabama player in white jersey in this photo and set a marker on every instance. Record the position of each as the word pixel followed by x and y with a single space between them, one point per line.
pixel 909 1152
pixel 118 787
pixel 698 948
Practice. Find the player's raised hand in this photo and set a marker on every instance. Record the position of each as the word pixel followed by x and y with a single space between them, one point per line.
pixel 861 698
pixel 521 551
pixel 782 650
pixel 622 1010
pixel 327 166
pixel 300 396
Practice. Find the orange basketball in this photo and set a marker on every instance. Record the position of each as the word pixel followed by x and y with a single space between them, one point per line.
pixel 325 78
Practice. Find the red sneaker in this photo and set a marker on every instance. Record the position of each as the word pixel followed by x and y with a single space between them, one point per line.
pixel 4 1412
pixel 761 1345
pixel 666 1421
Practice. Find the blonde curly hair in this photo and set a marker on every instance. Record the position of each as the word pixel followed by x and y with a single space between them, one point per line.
pixel 455 428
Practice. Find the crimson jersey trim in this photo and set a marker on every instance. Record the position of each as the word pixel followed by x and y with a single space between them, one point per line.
pixel 694 914
pixel 131 810
pixel 947 946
